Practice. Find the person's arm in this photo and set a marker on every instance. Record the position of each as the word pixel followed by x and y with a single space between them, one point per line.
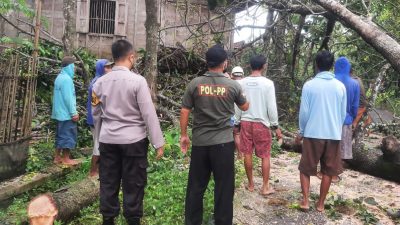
pixel 187 105
pixel 304 114
pixel 96 113
pixel 356 101
pixel 240 99
pixel 184 121
pixel 344 105
pixel 272 111
pixel 150 118
pixel 69 98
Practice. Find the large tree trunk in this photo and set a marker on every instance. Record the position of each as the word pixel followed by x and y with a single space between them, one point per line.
pixel 268 33
pixel 26 182
pixel 374 162
pixel 63 204
pixel 69 12
pixel 152 26
pixel 369 31
pixel 383 163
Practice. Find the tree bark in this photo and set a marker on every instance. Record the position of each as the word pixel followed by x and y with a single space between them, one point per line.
pixel 69 12
pixel 328 32
pixel 369 31
pixel 27 182
pixel 66 202
pixel 268 33
pixel 296 48
pixel 152 40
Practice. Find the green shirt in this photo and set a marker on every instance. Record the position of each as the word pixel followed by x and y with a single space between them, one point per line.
pixel 212 99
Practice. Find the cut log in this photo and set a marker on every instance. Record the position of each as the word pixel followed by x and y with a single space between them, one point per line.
pixel 391 149
pixel 63 204
pixel 371 161
pixel 26 182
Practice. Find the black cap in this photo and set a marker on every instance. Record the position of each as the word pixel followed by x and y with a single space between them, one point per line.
pixel 67 60
pixel 216 55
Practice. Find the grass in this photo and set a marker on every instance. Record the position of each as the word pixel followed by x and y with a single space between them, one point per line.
pixel 165 191
pixel 16 211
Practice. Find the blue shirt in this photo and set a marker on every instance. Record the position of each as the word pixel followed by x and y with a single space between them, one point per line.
pixel 323 107
pixel 64 99
pixel 342 73
pixel 100 64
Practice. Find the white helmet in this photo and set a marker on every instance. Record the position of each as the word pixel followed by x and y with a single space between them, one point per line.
pixel 237 71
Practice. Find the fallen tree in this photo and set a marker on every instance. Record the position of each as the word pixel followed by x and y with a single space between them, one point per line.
pixel 63 204
pixel 383 161
pixel 368 30
pixel 27 182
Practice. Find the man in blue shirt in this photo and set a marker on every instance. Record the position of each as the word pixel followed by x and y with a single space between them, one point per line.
pixel 322 113
pixel 103 66
pixel 342 73
pixel 64 112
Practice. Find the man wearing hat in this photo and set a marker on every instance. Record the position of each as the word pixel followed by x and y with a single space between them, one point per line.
pixel 212 98
pixel 64 112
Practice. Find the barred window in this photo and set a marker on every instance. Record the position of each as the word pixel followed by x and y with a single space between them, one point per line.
pixel 102 17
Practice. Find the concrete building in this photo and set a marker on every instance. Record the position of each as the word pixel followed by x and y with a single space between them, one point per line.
pixel 100 22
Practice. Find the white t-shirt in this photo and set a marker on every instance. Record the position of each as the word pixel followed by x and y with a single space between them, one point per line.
pixel 260 92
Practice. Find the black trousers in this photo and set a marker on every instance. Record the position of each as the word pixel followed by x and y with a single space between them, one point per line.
pixel 219 160
pixel 126 162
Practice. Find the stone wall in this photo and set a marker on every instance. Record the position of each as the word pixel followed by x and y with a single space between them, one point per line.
pixel 13 158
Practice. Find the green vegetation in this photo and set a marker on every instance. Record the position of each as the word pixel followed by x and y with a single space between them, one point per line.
pixel 337 206
pixel 166 189
pixel 16 211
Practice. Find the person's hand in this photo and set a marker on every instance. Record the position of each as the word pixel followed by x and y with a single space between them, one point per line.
pixel 160 153
pixel 298 140
pixel 239 155
pixel 75 118
pixel 278 133
pixel 185 142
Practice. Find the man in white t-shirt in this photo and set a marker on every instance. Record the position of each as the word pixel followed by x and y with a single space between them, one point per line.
pixel 256 123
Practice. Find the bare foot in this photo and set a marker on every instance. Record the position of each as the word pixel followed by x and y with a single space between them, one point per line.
pixel 57 160
pixel 265 191
pixel 320 208
pixel 336 179
pixel 250 187
pixel 69 162
pixel 93 174
pixel 304 206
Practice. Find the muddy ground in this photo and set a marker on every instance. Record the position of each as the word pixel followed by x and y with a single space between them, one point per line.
pixel 357 199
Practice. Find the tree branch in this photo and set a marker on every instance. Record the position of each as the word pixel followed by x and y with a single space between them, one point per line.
pixel 26 32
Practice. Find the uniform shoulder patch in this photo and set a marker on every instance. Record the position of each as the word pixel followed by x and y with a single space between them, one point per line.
pixel 95 99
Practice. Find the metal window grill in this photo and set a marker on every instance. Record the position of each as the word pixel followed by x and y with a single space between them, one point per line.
pixel 102 17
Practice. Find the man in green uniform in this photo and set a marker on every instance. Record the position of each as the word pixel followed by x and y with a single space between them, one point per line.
pixel 212 98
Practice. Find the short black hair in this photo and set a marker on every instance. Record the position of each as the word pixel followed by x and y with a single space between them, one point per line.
pixel 120 49
pixel 257 62
pixel 324 60
pixel 215 56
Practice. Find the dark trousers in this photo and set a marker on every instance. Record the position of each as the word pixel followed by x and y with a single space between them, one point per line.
pixel 126 162
pixel 218 159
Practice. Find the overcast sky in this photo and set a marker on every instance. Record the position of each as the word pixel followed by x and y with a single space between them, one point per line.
pixel 256 16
